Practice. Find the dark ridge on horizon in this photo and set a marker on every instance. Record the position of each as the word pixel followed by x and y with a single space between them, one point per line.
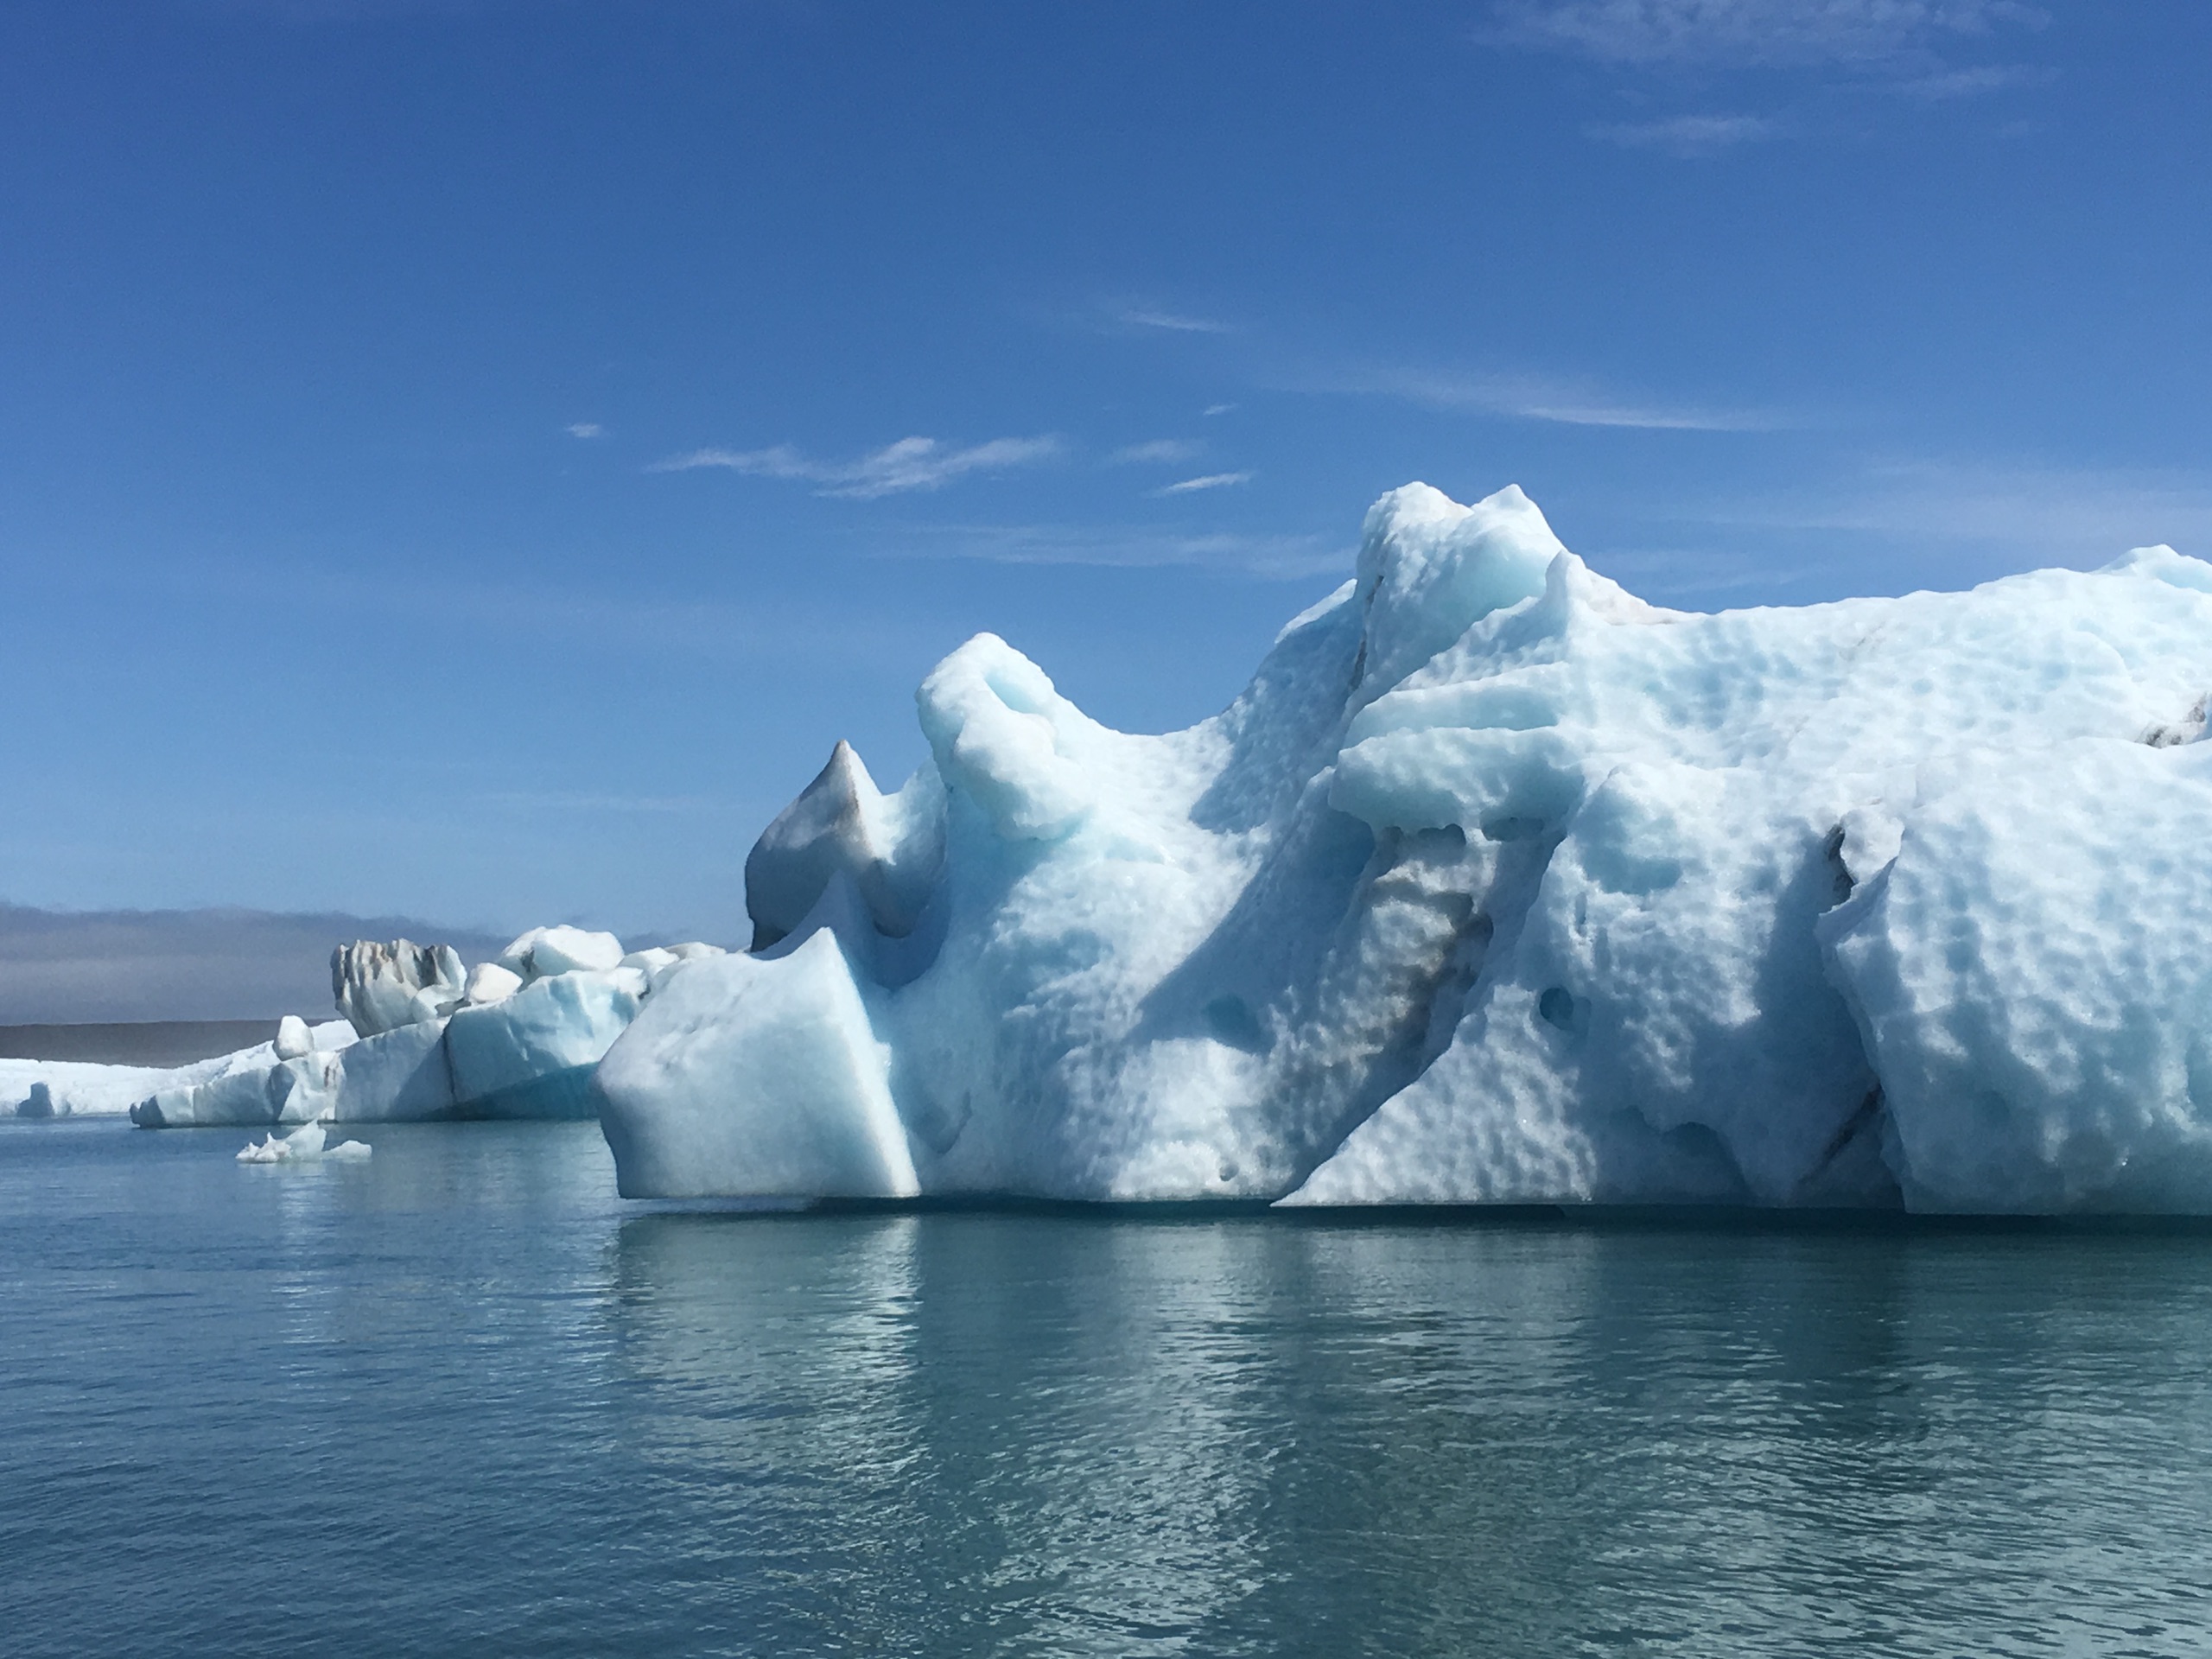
pixel 63 967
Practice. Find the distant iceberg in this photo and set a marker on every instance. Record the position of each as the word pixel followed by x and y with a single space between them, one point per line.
pixel 1498 884
pixel 425 1041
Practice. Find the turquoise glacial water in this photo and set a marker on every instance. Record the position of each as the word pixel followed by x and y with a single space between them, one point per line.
pixel 463 1399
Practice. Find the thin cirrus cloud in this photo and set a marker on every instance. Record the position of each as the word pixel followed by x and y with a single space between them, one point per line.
pixel 1270 557
pixel 1766 32
pixel 1211 481
pixel 2035 514
pixel 1977 82
pixel 1173 322
pixel 1156 451
pixel 1688 134
pixel 910 465
pixel 1528 397
pixel 586 430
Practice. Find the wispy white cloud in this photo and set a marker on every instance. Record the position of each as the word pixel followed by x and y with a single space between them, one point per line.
pixel 1212 410
pixel 1160 451
pixel 1889 526
pixel 1129 316
pixel 909 464
pixel 586 429
pixel 1211 481
pixel 1535 398
pixel 1688 134
pixel 2041 514
pixel 1976 82
pixel 1270 557
pixel 1763 32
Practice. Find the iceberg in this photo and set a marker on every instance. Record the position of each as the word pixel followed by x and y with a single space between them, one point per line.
pixel 1498 884
pixel 425 1041
pixel 88 1089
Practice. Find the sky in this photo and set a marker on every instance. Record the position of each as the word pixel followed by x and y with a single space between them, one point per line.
pixel 472 460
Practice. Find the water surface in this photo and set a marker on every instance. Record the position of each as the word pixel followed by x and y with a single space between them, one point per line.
pixel 463 1400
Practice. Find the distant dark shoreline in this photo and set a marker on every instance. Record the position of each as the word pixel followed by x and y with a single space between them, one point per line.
pixel 138 1042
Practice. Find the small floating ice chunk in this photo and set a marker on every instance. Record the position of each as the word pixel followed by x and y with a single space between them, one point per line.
pixel 307 1142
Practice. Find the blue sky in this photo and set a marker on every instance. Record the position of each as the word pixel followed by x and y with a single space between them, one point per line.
pixel 473 460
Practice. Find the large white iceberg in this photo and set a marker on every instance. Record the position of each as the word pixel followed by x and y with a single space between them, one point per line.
pixel 1498 884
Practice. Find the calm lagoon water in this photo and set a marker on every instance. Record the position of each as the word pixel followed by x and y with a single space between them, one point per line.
pixel 463 1400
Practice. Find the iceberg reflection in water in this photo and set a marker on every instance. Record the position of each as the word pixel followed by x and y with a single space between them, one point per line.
pixel 475 1405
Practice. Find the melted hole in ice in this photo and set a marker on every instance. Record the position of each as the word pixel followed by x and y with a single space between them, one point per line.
pixel 1556 1007
pixel 1010 691
pixel 1832 849
pixel 937 1125
pixel 1231 1020
pixel 1512 829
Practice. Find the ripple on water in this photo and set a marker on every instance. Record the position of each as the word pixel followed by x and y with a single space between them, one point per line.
pixel 460 1398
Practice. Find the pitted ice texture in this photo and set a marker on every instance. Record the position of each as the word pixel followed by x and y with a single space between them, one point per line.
pixel 1498 884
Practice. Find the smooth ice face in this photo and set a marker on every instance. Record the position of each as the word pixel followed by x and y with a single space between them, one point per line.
pixel 757 1077
pixel 1500 885
pixel 531 1054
